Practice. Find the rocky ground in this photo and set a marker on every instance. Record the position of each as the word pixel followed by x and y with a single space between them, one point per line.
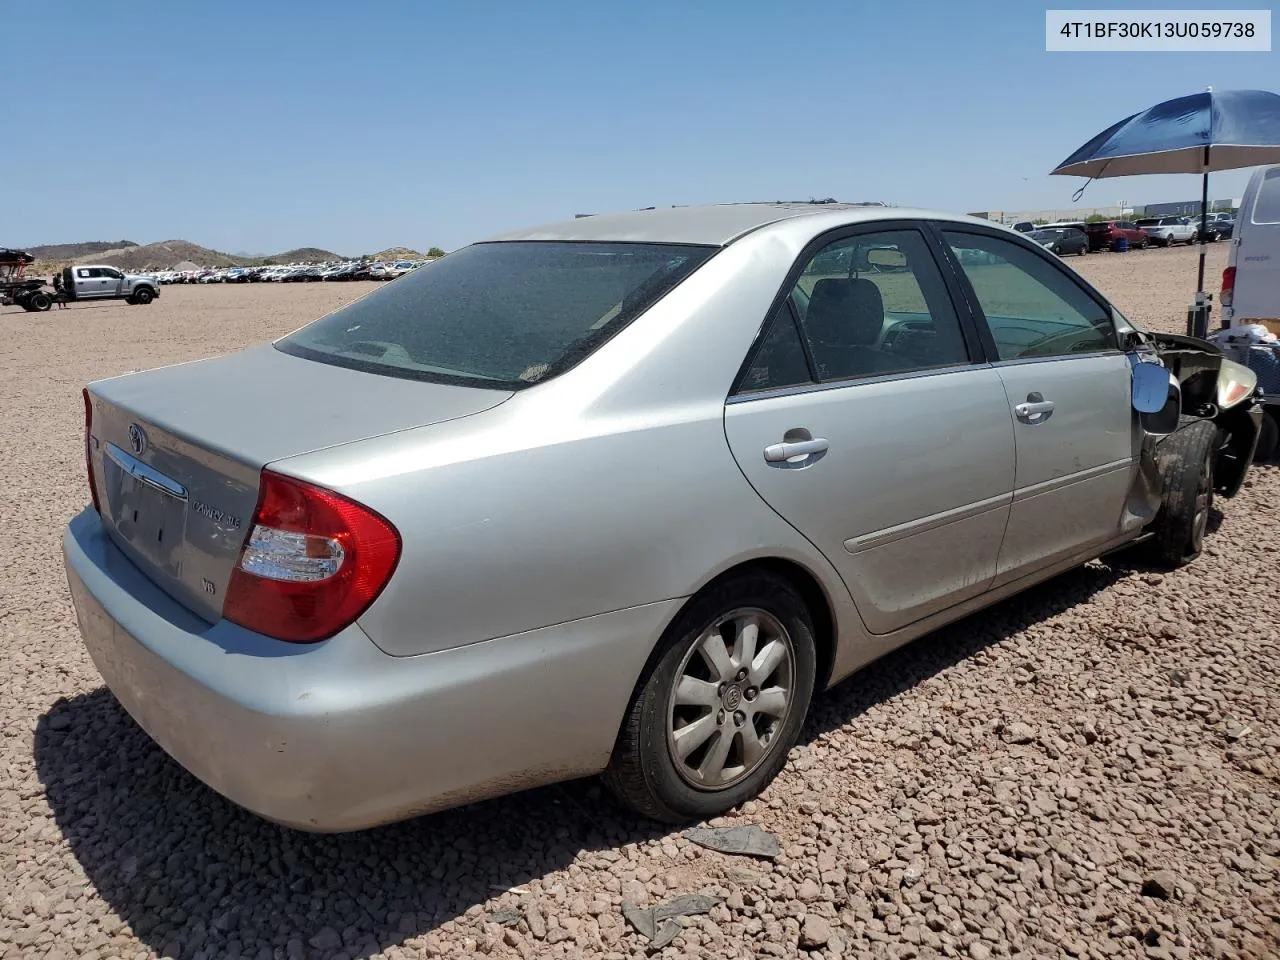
pixel 1091 769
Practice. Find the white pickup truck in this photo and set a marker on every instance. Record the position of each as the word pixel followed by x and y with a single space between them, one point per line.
pixel 1166 231
pixel 89 282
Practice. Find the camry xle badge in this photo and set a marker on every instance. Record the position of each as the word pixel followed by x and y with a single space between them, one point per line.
pixel 137 439
pixel 216 515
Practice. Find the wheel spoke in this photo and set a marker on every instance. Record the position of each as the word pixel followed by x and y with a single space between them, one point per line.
pixel 716 655
pixel 767 661
pixel 712 766
pixel 692 692
pixel 744 644
pixel 772 702
pixel 690 738
pixel 752 748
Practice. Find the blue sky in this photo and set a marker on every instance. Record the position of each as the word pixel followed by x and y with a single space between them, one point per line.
pixel 260 127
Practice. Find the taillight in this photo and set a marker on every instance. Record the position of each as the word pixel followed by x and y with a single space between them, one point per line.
pixel 1228 293
pixel 88 448
pixel 313 561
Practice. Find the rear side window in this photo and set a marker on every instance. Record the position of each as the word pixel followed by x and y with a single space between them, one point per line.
pixel 501 315
pixel 1266 207
pixel 875 304
pixel 779 360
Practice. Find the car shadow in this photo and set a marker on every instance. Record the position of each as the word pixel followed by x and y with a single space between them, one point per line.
pixel 193 875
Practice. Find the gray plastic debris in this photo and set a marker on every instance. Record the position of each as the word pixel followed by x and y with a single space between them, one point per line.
pixel 749 841
pixel 659 924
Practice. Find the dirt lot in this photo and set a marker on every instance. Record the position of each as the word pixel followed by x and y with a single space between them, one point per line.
pixel 1089 770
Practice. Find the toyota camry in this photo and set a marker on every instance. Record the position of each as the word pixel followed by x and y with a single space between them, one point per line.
pixel 618 496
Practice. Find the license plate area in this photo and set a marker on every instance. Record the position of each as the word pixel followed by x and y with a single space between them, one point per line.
pixel 149 510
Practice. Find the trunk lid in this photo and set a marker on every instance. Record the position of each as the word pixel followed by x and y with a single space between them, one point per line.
pixel 177 452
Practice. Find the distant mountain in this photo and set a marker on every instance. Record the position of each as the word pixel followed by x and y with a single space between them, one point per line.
pixel 398 253
pixel 304 254
pixel 70 251
pixel 164 255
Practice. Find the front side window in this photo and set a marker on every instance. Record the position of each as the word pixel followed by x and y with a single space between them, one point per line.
pixel 500 315
pixel 876 303
pixel 1032 308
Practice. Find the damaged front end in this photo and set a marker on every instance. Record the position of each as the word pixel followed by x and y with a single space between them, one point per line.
pixel 1217 389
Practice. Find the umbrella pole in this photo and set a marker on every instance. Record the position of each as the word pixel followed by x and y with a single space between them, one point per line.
pixel 1198 315
pixel 1204 225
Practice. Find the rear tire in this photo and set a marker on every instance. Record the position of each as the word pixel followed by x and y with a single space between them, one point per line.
pixel 1185 459
pixel 141 297
pixel 39 301
pixel 647 772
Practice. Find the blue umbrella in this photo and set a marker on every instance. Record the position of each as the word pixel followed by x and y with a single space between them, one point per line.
pixel 1196 134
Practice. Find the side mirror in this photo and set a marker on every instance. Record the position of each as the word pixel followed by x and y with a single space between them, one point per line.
pixel 1157 398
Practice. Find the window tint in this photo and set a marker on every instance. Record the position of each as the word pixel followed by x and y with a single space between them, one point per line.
pixel 779 360
pixel 876 303
pixel 1032 308
pixel 503 315
pixel 1266 208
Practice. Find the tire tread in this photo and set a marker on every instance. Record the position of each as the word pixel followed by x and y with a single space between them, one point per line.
pixel 1179 456
pixel 631 774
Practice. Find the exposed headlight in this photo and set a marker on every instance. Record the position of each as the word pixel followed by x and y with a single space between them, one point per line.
pixel 1235 383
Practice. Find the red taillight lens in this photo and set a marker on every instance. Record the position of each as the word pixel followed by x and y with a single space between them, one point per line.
pixel 88 448
pixel 1228 287
pixel 313 562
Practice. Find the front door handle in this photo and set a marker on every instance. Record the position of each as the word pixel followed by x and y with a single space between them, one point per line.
pixel 782 452
pixel 1036 409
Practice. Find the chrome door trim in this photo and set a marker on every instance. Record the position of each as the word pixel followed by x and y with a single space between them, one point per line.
pixel 145 474
pixel 811 387
pixel 879 538
pixel 1054 358
pixel 1048 486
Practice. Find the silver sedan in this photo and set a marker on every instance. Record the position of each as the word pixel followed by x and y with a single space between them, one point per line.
pixel 618 495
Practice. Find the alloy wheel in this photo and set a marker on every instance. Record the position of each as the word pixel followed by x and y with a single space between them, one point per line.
pixel 733 693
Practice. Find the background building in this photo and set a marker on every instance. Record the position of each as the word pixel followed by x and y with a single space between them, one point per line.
pixel 1180 208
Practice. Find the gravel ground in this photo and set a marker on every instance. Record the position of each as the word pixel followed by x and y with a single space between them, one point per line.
pixel 1091 769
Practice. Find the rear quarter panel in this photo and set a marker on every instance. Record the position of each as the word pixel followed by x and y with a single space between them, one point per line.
pixel 609 487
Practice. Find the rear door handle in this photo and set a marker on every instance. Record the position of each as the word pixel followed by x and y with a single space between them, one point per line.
pixel 782 452
pixel 1034 411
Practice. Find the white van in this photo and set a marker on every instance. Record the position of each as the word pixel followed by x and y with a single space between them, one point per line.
pixel 1251 282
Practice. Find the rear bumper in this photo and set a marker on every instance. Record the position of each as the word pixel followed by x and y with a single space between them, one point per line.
pixel 337 735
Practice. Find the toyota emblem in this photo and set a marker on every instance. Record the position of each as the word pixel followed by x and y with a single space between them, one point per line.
pixel 137 439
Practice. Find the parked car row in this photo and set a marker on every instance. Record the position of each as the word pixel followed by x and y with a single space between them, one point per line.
pixel 294 273
pixel 1139 234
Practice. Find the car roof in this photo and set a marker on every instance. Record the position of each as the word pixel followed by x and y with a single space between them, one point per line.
pixel 710 224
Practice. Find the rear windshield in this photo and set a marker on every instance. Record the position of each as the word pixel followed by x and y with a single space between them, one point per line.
pixel 501 315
